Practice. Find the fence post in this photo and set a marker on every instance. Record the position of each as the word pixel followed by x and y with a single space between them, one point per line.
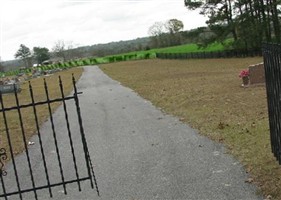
pixel 272 61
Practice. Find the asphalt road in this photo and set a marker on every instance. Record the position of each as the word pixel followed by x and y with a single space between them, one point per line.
pixel 138 152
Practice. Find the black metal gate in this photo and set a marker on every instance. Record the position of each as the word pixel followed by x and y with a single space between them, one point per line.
pixel 68 161
pixel 272 65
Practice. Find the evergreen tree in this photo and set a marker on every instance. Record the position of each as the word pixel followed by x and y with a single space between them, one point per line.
pixel 41 54
pixel 24 54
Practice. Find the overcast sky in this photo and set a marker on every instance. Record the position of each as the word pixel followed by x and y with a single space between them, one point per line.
pixel 41 23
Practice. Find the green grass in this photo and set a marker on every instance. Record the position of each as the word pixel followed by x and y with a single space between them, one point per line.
pixel 139 55
pixel 188 48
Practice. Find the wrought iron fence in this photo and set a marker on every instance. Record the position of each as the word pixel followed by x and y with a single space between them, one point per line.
pixel 213 54
pixel 272 65
pixel 69 150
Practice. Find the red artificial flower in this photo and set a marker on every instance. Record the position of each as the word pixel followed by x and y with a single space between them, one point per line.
pixel 244 73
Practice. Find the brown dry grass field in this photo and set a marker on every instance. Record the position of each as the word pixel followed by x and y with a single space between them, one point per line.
pixel 207 95
pixel 27 113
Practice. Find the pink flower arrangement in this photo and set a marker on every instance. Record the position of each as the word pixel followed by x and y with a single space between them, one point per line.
pixel 244 73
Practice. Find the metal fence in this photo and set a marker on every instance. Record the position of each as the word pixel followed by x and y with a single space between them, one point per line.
pixel 272 65
pixel 32 171
pixel 213 54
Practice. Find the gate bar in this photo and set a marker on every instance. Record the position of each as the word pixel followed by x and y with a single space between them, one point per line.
pixel 10 145
pixel 3 186
pixel 69 133
pixel 24 142
pixel 54 134
pixel 43 187
pixel 40 139
pixel 38 103
pixel 85 146
pixel 3 156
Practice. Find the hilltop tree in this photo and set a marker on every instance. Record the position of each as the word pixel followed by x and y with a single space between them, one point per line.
pixel 24 54
pixel 41 54
pixel 166 34
pixel 174 26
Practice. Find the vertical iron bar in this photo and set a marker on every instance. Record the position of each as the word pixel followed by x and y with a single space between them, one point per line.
pixel 278 83
pixel 3 157
pixel 10 145
pixel 271 53
pixel 81 128
pixel 86 151
pixel 40 139
pixel 69 133
pixel 277 65
pixel 277 99
pixel 268 79
pixel 24 142
pixel 93 172
pixel 54 135
pixel 271 99
pixel 3 186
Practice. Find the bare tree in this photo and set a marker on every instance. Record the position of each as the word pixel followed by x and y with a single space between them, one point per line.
pixel 1 66
pixel 66 50
pixel 156 29
pixel 157 34
pixel 59 49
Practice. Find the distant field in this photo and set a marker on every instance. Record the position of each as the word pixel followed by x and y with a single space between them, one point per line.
pixel 207 94
pixel 137 55
pixel 188 48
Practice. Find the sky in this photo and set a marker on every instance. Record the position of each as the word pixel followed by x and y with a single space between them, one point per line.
pixel 41 23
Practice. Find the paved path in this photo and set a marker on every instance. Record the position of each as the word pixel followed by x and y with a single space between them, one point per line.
pixel 141 153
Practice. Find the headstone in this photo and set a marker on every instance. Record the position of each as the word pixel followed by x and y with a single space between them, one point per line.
pixel 9 88
pixel 257 74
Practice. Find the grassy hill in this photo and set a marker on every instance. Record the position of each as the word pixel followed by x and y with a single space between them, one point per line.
pixel 188 48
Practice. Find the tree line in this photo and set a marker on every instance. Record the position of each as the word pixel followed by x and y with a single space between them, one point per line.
pixel 248 22
pixel 61 49
pixel 66 50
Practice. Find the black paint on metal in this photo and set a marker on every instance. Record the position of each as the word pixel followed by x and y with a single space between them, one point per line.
pixel 272 66
pixel 58 152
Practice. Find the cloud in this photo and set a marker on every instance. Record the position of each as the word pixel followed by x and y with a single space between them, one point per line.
pixel 87 22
